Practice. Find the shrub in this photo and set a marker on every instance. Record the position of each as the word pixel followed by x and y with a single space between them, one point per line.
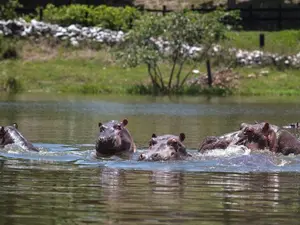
pixel 156 41
pixel 114 18
pixel 8 10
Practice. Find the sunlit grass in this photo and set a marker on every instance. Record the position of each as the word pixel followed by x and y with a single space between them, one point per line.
pixel 281 42
pixel 51 67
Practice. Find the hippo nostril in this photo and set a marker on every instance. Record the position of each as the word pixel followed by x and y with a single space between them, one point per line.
pixel 155 155
pixel 172 153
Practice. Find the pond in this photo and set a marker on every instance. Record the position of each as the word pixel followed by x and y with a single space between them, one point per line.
pixel 62 184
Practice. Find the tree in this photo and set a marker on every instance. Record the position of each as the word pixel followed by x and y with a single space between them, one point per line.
pixel 180 40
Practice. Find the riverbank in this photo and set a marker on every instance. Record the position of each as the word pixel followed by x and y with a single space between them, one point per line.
pixel 57 67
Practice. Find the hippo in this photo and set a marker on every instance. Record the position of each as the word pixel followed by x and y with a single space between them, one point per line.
pixel 165 147
pixel 244 136
pixel 292 125
pixel 278 141
pixel 259 137
pixel 155 139
pixel 11 135
pixel 114 139
pixel 220 142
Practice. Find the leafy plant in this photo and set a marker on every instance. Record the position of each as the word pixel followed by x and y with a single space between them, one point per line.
pixel 8 10
pixel 156 40
pixel 114 18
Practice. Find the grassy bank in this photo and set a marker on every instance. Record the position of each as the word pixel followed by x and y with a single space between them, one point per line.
pixel 48 66
pixel 282 42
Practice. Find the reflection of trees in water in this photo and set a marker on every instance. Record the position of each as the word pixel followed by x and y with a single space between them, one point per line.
pixel 116 196
pixel 44 196
pixel 167 183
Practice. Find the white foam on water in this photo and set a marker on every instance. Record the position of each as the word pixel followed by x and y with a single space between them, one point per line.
pixel 230 151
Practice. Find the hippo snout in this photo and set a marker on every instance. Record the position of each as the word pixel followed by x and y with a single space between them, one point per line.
pixel 157 156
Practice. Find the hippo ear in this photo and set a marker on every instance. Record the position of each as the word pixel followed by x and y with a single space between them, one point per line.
pixel 99 124
pixel 181 137
pixel 153 135
pixel 125 122
pixel 15 125
pixel 1 129
pixel 266 127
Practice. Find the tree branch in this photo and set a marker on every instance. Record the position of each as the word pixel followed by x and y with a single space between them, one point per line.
pixel 153 79
pixel 159 75
pixel 179 71
pixel 173 69
pixel 189 73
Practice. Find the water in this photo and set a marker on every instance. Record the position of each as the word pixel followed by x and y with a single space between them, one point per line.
pixel 63 184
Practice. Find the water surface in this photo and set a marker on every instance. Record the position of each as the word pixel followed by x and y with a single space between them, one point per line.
pixel 63 184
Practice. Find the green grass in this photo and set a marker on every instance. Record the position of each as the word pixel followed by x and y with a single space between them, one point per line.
pixel 281 42
pixel 70 75
pixel 46 66
pixel 276 83
pixel 90 77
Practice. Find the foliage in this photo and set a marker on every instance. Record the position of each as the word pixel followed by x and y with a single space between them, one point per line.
pixel 232 19
pixel 156 40
pixel 7 10
pixel 114 18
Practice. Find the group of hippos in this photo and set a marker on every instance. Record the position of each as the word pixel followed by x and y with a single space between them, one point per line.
pixel 115 139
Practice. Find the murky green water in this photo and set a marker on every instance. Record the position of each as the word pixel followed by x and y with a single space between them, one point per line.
pixel 63 185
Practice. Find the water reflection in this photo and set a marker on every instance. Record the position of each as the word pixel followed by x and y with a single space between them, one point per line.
pixel 118 196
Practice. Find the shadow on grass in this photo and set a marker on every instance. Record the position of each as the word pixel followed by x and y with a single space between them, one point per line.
pixel 193 90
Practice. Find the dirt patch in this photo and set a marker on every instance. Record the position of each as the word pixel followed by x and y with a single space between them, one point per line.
pixel 224 79
pixel 45 50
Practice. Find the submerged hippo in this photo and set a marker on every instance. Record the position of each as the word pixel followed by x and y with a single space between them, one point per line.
pixel 114 139
pixel 11 135
pixel 165 147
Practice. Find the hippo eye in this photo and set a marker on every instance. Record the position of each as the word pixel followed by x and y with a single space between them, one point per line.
pixel 152 142
pixel 117 126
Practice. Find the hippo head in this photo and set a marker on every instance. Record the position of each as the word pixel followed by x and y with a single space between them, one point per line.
pixel 113 138
pixel 3 130
pixel 158 139
pixel 164 148
pixel 257 137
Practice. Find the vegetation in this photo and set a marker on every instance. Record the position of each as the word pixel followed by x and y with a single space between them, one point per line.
pixel 7 10
pixel 40 65
pixel 43 65
pixel 114 18
pixel 166 40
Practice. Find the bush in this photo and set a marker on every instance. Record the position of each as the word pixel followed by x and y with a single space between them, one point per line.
pixel 8 10
pixel 156 41
pixel 114 18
